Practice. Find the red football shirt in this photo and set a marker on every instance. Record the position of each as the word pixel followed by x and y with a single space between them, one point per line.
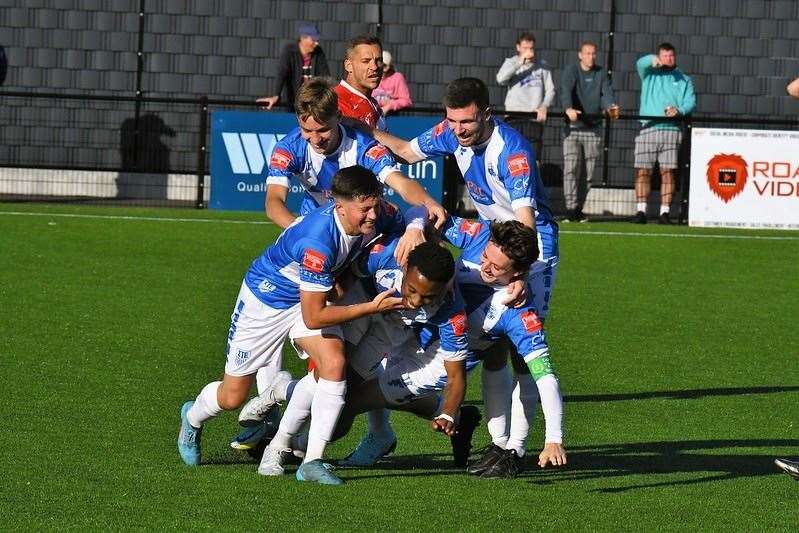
pixel 353 103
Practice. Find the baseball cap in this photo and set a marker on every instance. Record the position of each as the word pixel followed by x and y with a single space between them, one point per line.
pixel 310 30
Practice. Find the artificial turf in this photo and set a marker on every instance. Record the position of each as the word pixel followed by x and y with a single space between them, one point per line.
pixel 676 353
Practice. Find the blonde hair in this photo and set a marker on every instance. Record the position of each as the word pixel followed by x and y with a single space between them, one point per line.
pixel 316 98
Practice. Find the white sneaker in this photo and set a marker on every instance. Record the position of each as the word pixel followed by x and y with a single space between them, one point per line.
pixel 254 411
pixel 272 461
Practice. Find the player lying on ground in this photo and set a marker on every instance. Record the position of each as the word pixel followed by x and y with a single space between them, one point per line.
pixel 425 289
pixel 284 295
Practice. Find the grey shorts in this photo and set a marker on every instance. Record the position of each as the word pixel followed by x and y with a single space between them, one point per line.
pixel 660 145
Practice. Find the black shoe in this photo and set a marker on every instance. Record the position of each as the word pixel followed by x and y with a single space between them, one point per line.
pixel 491 455
pixel 507 467
pixel 664 219
pixel 462 439
pixel 789 467
pixel 639 218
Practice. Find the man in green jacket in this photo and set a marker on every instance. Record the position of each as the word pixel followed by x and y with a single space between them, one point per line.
pixel 665 92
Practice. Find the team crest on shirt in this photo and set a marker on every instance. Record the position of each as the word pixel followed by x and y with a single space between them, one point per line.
pixel 377 248
pixel 281 159
pixel 376 152
pixel 518 165
pixel 314 261
pixel 531 321
pixel 458 323
pixel 472 228
pixel 439 128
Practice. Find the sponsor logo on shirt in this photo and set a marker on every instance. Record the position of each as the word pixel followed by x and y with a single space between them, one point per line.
pixel 376 152
pixel 518 165
pixel 472 228
pixel 280 159
pixel 377 248
pixel 458 323
pixel 476 192
pixel 439 128
pixel 531 321
pixel 314 261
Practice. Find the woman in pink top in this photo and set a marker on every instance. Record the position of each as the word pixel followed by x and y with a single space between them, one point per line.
pixel 392 94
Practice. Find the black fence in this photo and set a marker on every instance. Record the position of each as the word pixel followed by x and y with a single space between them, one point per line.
pixel 155 152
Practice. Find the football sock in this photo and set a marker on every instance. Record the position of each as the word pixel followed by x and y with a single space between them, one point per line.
pixel 525 397
pixel 641 206
pixel 283 394
pixel 664 209
pixel 379 424
pixel 325 410
pixel 205 406
pixel 264 377
pixel 496 400
pixel 297 411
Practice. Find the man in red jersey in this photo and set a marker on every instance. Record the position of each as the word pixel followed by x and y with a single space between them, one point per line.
pixel 364 66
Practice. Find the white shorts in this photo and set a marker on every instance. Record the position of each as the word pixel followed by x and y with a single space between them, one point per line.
pixel 542 280
pixel 257 333
pixel 412 372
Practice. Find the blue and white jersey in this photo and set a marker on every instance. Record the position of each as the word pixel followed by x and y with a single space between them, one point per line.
pixel 293 156
pixel 473 236
pixel 447 317
pixel 309 254
pixel 501 174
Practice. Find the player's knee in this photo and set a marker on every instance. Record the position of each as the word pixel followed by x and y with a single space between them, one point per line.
pixel 231 399
pixel 333 366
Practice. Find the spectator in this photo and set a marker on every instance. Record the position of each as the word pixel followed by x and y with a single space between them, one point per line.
pixel 530 88
pixel 665 92
pixel 363 64
pixel 793 88
pixel 585 90
pixel 392 94
pixel 298 62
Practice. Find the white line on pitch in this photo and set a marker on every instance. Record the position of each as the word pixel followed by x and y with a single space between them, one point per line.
pixel 266 222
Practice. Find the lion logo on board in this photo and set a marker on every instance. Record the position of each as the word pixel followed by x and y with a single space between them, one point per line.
pixel 726 175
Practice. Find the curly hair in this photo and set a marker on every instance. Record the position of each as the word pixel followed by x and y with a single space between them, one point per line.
pixel 432 261
pixel 517 241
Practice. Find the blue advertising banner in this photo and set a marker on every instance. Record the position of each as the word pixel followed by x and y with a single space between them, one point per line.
pixel 242 144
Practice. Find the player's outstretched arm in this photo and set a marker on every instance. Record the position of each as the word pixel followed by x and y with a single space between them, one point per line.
pixel 414 194
pixel 276 208
pixel 454 393
pixel 317 314
pixel 399 147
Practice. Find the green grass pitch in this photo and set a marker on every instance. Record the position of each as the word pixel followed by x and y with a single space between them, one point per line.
pixel 676 352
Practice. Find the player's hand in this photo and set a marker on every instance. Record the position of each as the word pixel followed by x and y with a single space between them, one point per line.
pixel 672 111
pixel 409 240
pixel 443 425
pixel 541 114
pixel 517 293
pixel 436 214
pixel 573 113
pixel 553 453
pixel 267 101
pixel 387 301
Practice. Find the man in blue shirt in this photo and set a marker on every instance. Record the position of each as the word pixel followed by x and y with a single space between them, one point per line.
pixel 665 92
pixel 284 295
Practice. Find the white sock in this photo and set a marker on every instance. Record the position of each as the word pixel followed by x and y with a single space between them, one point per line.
pixel 205 406
pixel 525 397
pixel 283 393
pixel 496 401
pixel 297 412
pixel 664 209
pixel 379 424
pixel 641 206
pixel 264 377
pixel 325 410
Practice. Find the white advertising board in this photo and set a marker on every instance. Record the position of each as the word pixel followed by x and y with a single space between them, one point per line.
pixel 744 178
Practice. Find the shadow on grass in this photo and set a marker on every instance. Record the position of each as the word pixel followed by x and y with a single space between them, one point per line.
pixel 691 394
pixel 679 457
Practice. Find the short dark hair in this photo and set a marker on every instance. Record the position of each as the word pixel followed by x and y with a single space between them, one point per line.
pixel 517 241
pixel 526 36
pixel 667 46
pixel 359 40
pixel 462 92
pixel 588 43
pixel 433 261
pixel 356 182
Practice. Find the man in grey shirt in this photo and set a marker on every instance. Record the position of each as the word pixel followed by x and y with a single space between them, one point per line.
pixel 585 91
pixel 530 88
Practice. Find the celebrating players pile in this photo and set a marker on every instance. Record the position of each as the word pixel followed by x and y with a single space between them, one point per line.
pixel 372 297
